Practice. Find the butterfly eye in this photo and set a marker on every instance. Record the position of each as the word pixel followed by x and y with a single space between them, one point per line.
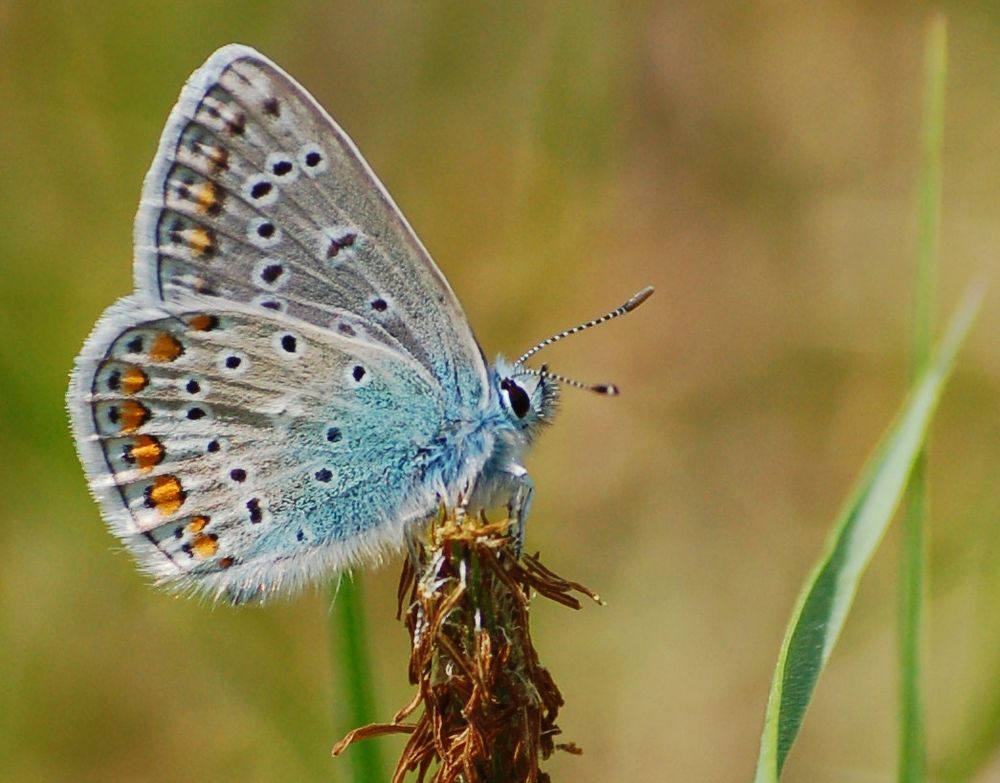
pixel 518 397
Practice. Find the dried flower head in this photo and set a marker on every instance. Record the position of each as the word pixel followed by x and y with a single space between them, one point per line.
pixel 487 706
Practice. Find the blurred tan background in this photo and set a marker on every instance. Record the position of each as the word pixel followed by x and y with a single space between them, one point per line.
pixel 756 162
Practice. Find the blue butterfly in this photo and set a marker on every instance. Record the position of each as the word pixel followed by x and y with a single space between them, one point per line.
pixel 292 384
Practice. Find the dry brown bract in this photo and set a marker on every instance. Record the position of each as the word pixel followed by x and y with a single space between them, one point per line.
pixel 489 706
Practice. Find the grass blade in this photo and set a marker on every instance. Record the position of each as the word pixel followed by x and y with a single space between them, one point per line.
pixel 349 645
pixel 826 597
pixel 912 750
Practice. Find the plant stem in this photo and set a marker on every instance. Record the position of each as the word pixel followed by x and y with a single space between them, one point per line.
pixel 349 644
pixel 912 749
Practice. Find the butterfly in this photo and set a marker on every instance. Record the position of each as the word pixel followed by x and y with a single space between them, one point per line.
pixel 292 385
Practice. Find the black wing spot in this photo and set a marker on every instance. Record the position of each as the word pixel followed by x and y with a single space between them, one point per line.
pixel 324 475
pixel 289 343
pixel 271 272
pixel 333 434
pixel 256 515
pixel 265 230
pixel 193 387
pixel 358 372
pixel 282 167
pixel 379 305
pixel 272 107
pixel 336 245
pixel 261 189
pixel 232 362
pixel 195 413
pixel 313 159
pixel 238 475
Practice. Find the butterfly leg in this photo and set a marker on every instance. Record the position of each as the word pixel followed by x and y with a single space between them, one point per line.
pixel 519 504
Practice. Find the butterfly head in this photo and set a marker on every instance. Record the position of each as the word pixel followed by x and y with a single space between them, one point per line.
pixel 527 397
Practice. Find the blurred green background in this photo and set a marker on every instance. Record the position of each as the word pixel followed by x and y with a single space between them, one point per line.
pixel 756 162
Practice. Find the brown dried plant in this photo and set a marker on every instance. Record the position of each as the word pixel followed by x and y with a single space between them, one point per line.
pixel 487 707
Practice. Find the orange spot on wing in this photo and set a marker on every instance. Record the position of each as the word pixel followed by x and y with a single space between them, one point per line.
pixel 226 562
pixel 197 524
pixel 165 348
pixel 203 322
pixel 201 240
pixel 133 380
pixel 147 452
pixel 207 198
pixel 165 494
pixel 205 546
pixel 132 415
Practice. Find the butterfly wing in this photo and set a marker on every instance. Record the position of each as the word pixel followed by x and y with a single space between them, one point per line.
pixel 239 453
pixel 257 196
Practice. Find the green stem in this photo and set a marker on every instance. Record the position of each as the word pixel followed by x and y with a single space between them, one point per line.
pixel 912 748
pixel 350 648
pixel 912 751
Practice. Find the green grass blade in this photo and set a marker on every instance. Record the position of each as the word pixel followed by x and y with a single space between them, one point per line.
pixel 826 597
pixel 912 750
pixel 353 678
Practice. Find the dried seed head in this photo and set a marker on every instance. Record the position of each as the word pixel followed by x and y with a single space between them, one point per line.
pixel 488 706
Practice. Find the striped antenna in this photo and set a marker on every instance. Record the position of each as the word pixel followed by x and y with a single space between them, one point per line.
pixel 600 388
pixel 629 306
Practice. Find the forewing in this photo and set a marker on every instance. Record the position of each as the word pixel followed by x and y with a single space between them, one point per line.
pixel 237 453
pixel 257 196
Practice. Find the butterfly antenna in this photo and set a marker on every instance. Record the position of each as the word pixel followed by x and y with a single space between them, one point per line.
pixel 598 388
pixel 636 300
